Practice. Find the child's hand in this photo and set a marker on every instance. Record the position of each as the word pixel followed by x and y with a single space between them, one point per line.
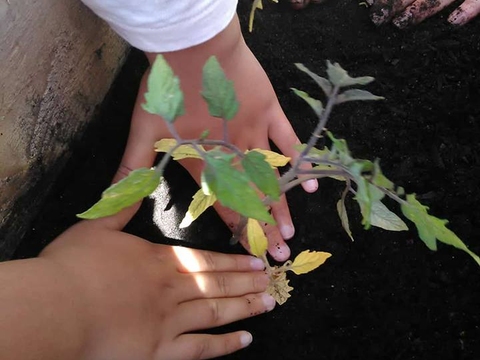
pixel 139 300
pixel 260 118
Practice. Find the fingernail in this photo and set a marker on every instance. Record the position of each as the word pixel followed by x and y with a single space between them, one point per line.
pixel 310 185
pixel 281 252
pixel 268 301
pixel 257 264
pixel 287 231
pixel 246 339
pixel 457 17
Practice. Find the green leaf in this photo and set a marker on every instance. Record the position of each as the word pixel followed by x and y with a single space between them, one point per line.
pixel 197 207
pixel 379 179
pixel 431 228
pixel 164 96
pixel 232 187
pixel 340 150
pixel 274 159
pixel 357 94
pixel 218 91
pixel 382 217
pixel 138 184
pixel 315 104
pixel 321 81
pixel 261 174
pixel 339 77
pixel 366 194
pixel 321 154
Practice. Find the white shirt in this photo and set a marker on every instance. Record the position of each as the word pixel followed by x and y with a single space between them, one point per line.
pixel 165 25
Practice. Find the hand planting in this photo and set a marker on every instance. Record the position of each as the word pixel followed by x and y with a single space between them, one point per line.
pixel 246 182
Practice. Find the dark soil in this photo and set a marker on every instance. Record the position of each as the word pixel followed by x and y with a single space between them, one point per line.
pixel 384 296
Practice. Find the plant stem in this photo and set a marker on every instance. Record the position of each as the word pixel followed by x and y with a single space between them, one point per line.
pixel 323 119
pixel 225 131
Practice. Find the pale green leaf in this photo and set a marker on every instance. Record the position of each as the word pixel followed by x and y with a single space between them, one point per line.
pixel 357 95
pixel 431 228
pixel 382 217
pixel 261 174
pixel 307 261
pixel 232 187
pixel 315 104
pixel 164 96
pixel 324 84
pixel 131 189
pixel 257 241
pixel 338 76
pixel 199 204
pixel 218 91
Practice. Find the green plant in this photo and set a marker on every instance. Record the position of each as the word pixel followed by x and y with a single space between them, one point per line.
pixel 236 178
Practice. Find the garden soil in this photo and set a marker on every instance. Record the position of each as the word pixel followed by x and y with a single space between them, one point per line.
pixel 385 295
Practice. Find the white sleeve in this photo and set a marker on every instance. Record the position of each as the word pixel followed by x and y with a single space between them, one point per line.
pixel 165 25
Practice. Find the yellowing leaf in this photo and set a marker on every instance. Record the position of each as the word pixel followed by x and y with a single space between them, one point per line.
pixel 256 238
pixel 308 260
pixel 273 158
pixel 199 204
pixel 279 288
pixel 182 152
pixel 342 212
pixel 257 4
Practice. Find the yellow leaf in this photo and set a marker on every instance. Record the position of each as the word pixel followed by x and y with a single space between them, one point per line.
pixel 257 4
pixel 182 152
pixel 199 204
pixel 307 261
pixel 279 288
pixel 273 158
pixel 256 238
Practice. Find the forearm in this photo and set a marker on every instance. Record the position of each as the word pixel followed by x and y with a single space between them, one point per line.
pixel 41 312
pixel 228 47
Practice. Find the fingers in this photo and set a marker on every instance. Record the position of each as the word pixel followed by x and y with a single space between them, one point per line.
pixel 277 247
pixel 465 12
pixel 383 11
pixel 209 313
pixel 419 11
pixel 144 132
pixel 222 285
pixel 191 260
pixel 203 346
pixel 282 134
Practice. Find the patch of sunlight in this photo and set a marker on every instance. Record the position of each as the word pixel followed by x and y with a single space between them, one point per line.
pixel 164 217
pixel 192 263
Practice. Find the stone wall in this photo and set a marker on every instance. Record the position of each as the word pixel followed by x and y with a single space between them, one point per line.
pixel 58 60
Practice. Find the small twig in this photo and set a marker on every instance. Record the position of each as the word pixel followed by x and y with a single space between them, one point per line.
pixel 225 131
